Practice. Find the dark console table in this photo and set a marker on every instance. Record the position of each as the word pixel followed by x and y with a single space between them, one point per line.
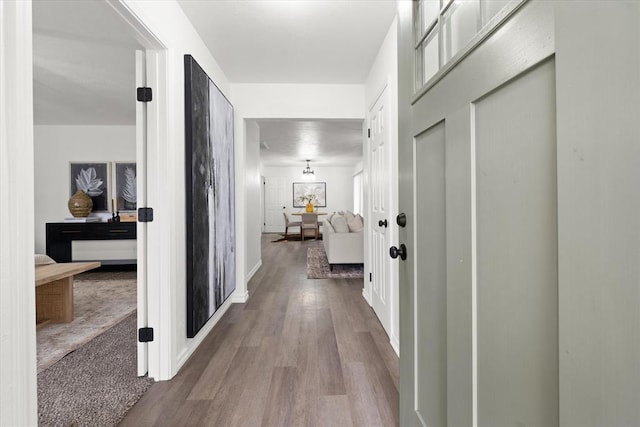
pixel 61 234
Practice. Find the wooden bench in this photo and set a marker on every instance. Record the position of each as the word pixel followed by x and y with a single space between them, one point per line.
pixel 54 290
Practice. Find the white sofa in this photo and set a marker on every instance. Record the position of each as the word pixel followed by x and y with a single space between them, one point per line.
pixel 343 246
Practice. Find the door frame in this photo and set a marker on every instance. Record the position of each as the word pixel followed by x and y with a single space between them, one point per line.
pixel 155 270
pixel 18 388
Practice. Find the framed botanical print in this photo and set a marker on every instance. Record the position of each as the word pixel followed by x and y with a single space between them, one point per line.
pixel 93 179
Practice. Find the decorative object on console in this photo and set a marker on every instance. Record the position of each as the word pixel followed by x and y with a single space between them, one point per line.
pixel 80 204
pixel 209 196
pixel 309 192
pixel 92 179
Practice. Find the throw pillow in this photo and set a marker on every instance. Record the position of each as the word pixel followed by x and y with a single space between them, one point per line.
pixel 355 224
pixel 41 259
pixel 339 224
pixel 326 227
pixel 348 216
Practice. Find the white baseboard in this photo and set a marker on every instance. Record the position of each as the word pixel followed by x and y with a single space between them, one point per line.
pixel 395 344
pixel 254 270
pixel 202 333
pixel 239 298
pixel 367 295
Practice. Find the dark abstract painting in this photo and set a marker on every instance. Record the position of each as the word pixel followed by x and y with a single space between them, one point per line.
pixel 210 197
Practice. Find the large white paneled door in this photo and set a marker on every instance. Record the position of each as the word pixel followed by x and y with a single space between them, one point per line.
pixel 493 303
pixel 379 172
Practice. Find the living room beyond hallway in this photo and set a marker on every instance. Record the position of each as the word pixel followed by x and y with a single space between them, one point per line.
pixel 299 352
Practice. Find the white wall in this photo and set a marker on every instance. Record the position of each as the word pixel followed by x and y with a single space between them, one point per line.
pixel 54 148
pixel 167 257
pixel 253 194
pixel 384 72
pixel 303 101
pixel 339 181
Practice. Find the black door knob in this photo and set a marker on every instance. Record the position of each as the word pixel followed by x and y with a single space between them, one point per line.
pixel 401 220
pixel 398 252
pixel 382 223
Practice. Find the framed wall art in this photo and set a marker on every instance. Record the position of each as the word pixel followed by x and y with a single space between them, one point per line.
pixel 210 197
pixel 93 179
pixel 125 186
pixel 303 191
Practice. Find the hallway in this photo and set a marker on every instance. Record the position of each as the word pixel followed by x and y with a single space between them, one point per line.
pixel 300 352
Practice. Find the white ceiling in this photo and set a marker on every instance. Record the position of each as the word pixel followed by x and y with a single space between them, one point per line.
pixel 84 62
pixel 292 41
pixel 324 142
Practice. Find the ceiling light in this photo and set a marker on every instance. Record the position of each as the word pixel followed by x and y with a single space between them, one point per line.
pixel 308 170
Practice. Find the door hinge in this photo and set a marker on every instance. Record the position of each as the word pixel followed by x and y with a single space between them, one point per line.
pixel 145 215
pixel 145 334
pixel 368 133
pixel 371 277
pixel 144 94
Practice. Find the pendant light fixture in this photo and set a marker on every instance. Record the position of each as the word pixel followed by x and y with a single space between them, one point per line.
pixel 308 170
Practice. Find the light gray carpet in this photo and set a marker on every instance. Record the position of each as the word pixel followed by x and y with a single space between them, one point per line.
pixel 318 266
pixel 96 384
pixel 100 300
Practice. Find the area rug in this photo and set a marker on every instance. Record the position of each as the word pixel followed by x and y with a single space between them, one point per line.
pixel 95 385
pixel 100 301
pixel 318 267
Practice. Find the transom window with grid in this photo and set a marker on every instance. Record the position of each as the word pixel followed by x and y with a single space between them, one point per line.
pixel 445 29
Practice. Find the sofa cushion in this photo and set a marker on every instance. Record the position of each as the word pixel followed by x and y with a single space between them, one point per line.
pixel 339 224
pixel 355 224
pixel 348 215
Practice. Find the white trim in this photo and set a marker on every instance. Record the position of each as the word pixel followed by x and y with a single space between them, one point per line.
pixel 474 271
pixel 395 343
pixel 18 381
pixel 144 35
pixel 366 294
pixel 253 271
pixel 379 93
pixel 238 297
pixel 202 334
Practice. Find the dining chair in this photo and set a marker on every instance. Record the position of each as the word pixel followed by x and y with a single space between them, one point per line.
pixel 288 223
pixel 309 222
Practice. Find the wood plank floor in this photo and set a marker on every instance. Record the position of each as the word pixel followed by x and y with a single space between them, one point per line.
pixel 300 352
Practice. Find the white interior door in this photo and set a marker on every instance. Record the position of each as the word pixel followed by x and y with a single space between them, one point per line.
pixel 141 186
pixel 380 167
pixel 275 189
